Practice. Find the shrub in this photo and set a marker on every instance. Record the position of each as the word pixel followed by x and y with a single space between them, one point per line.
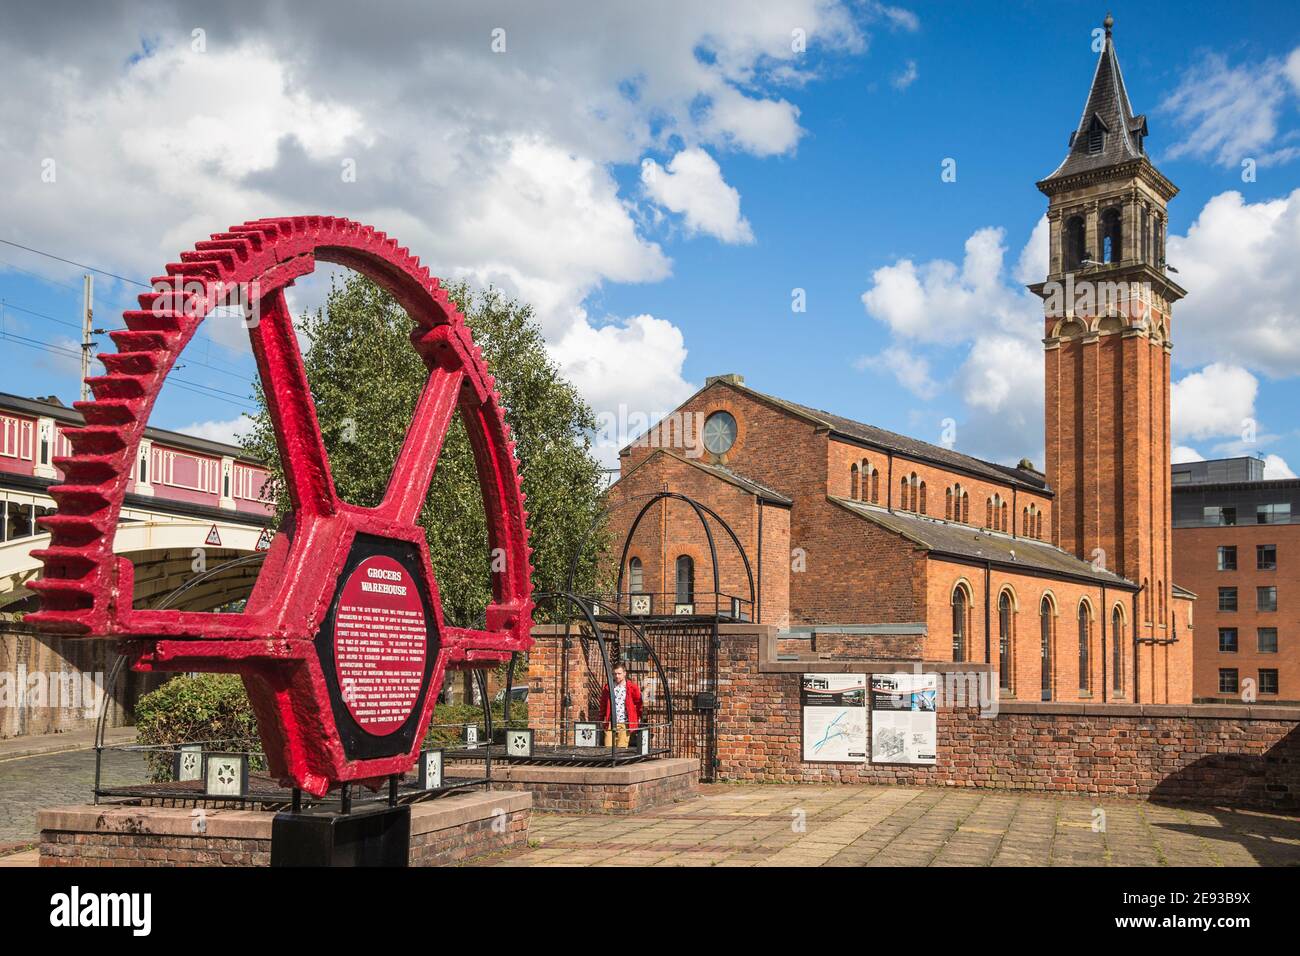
pixel 202 707
pixel 193 708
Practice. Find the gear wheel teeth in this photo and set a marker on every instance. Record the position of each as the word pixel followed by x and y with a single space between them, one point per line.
pixel 111 412
pixel 80 588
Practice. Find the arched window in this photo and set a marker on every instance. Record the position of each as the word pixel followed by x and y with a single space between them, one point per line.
pixel 853 483
pixel 960 604
pixel 915 487
pixel 635 576
pixel 1085 649
pixel 1160 602
pixel 1146 599
pixel 1038 526
pixel 1111 236
pixel 1045 641
pixel 965 508
pixel 1074 240
pixel 947 505
pixel 903 495
pixel 1005 513
pixel 685 579
pixel 1004 641
pixel 988 513
pixel 1117 650
pixel 875 487
pixel 922 509
pixel 1146 236
pixel 1025 527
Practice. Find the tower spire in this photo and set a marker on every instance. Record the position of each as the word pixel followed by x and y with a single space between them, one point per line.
pixel 1108 132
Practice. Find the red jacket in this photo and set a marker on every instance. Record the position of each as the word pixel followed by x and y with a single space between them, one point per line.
pixel 632 703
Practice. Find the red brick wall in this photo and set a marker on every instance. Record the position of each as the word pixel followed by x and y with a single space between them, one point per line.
pixel 1107 431
pixel 1201 754
pixel 841 456
pixel 1164 666
pixel 1196 568
pixel 672 528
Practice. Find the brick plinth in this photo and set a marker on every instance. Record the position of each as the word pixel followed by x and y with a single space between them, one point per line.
pixel 631 788
pixel 446 831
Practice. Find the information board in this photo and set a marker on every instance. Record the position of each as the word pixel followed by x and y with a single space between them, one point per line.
pixel 834 710
pixel 904 723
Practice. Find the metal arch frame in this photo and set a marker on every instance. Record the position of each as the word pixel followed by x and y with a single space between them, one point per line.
pixel 86 590
pixel 700 511
pixel 584 605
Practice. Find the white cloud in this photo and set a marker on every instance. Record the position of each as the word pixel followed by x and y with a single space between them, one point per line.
pixel 1238 264
pixel 758 126
pixel 912 371
pixel 493 167
pixel 229 431
pixel 907 77
pixel 1217 400
pixel 1275 467
pixel 897 17
pixel 1231 112
pixel 1185 453
pixel 692 185
pixel 941 302
pixel 630 371
pixel 1032 266
pixel 978 306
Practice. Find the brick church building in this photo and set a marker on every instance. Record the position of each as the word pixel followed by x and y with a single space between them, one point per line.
pixel 913 552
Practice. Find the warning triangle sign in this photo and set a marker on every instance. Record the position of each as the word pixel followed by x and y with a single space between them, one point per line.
pixel 264 540
pixel 214 537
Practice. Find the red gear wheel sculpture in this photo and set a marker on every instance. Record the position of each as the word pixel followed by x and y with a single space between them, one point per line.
pixel 317 711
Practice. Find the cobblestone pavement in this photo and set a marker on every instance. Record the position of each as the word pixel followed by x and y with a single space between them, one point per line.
pixel 757 825
pixel 28 784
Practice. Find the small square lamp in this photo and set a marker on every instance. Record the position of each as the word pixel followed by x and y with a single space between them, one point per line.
pixel 187 763
pixel 519 743
pixel 226 775
pixel 430 769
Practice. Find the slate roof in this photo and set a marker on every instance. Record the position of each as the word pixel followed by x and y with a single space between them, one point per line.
pixel 755 488
pixel 912 447
pixel 1109 104
pixel 964 541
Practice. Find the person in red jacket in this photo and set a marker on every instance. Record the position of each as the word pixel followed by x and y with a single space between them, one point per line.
pixel 620 707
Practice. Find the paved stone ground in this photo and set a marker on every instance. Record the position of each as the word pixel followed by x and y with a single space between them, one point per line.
pixel 28 784
pixel 757 825
pixel 768 825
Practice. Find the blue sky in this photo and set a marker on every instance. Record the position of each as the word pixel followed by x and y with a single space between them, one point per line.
pixel 768 171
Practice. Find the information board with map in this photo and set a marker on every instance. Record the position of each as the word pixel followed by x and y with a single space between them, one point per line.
pixel 834 717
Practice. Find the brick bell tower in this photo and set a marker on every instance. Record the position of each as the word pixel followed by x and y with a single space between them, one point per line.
pixel 1107 302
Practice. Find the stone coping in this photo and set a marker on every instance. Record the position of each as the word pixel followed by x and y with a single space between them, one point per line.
pixel 862 665
pixel 644 771
pixel 440 814
pixel 1240 712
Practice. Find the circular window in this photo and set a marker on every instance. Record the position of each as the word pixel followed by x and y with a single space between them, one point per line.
pixel 719 432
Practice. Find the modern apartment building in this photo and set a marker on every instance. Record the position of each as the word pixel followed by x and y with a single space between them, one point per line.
pixel 1236 545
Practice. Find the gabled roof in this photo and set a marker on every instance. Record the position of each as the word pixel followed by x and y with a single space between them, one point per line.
pixel 886 440
pixel 755 488
pixel 1109 108
pixel 950 539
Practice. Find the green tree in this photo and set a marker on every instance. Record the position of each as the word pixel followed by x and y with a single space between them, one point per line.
pixel 366 378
